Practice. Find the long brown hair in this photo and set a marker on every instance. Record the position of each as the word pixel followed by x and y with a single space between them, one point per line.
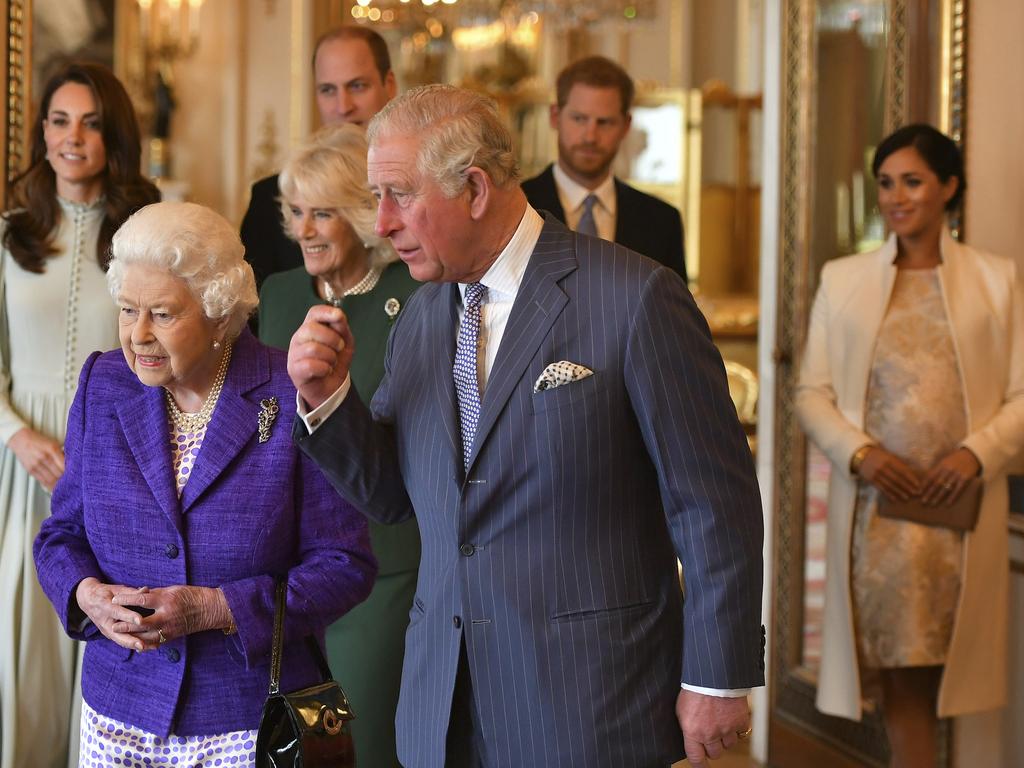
pixel 35 213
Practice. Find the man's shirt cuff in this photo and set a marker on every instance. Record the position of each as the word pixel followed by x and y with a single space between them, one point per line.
pixel 316 417
pixel 725 693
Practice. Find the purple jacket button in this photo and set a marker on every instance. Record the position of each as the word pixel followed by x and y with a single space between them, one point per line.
pixel 173 655
pixel 171 550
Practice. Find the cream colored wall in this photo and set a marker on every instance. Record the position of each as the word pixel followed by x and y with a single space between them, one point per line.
pixel 243 99
pixel 207 121
pixel 994 216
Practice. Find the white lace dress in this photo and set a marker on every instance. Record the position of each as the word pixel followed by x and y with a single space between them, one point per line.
pixel 54 320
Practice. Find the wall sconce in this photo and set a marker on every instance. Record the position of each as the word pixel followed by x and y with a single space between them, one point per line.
pixel 168 32
pixel 169 29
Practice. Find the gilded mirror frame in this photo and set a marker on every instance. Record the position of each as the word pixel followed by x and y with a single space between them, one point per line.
pixel 799 733
pixel 17 41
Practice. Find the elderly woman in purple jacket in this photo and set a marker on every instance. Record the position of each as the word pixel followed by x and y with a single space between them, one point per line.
pixel 183 502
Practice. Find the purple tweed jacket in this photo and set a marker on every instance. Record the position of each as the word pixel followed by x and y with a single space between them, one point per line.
pixel 250 512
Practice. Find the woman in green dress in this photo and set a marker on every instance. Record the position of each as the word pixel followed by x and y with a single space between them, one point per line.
pixel 328 209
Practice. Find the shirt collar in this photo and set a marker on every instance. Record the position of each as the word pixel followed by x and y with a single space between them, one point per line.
pixel 506 273
pixel 572 193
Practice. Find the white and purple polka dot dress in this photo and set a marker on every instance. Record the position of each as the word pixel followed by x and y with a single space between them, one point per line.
pixel 108 743
pixel 185 445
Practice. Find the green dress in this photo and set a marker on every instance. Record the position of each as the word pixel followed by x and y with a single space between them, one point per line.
pixel 365 647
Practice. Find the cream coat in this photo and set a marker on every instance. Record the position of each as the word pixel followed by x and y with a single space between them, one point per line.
pixel 985 306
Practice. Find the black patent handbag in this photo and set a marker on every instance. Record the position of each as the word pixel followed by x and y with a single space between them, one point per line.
pixel 309 728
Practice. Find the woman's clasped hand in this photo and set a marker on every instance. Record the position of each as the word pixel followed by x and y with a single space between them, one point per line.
pixel 142 619
pixel 941 485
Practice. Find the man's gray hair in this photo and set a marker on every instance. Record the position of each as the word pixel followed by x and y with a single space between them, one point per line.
pixel 458 129
pixel 196 244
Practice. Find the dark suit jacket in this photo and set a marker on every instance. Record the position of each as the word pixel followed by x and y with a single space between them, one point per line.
pixel 643 223
pixel 267 248
pixel 554 557
pixel 250 512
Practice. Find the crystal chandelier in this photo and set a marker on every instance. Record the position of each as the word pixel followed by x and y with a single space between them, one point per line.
pixel 469 13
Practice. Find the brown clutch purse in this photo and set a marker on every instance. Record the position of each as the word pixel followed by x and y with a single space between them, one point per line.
pixel 961 515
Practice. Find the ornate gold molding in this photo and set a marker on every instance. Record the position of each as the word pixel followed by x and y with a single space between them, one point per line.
pixel 954 87
pixel 19 45
pixel 953 92
pixel 896 67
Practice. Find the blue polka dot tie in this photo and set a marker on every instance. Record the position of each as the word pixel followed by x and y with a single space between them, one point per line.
pixel 587 225
pixel 467 385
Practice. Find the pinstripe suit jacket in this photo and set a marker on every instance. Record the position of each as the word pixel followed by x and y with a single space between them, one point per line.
pixel 643 223
pixel 554 555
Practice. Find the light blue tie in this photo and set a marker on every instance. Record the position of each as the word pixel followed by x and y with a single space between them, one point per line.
pixel 467 386
pixel 587 225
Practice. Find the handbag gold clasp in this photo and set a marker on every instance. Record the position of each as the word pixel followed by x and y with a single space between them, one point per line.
pixel 331 723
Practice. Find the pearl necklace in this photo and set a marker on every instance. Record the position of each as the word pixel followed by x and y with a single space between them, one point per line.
pixel 363 286
pixel 193 422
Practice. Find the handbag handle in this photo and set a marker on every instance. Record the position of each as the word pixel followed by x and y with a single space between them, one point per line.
pixel 277 649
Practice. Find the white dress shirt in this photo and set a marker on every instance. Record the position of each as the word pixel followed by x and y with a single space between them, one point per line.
pixel 571 195
pixel 502 280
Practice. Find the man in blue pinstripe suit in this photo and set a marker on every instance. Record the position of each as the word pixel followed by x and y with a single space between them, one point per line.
pixel 556 487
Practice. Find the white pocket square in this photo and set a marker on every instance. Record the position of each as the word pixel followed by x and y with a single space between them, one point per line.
pixel 562 372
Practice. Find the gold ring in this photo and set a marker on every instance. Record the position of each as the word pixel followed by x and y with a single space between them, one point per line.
pixel 160 634
pixel 744 735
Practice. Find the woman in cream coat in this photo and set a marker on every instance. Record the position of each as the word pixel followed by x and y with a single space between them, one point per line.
pixel 982 304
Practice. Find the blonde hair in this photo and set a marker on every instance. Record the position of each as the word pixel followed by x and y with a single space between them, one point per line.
pixel 329 171
pixel 196 244
pixel 458 129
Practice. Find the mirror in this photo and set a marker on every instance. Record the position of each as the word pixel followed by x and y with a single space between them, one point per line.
pixel 696 120
pixel 853 70
pixel 696 115
pixel 850 99
pixel 696 66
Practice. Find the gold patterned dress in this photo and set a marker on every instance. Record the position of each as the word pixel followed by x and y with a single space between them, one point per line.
pixel 905 577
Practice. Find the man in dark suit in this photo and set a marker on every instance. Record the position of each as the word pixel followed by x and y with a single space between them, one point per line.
pixel 352 71
pixel 556 418
pixel 591 117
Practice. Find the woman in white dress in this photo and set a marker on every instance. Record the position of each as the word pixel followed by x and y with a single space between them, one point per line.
pixel 82 183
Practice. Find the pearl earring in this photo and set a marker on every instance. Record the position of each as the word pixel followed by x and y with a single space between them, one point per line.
pixel 216 344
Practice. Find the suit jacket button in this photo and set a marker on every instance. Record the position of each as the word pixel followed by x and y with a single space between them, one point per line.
pixel 171 550
pixel 467 550
pixel 173 655
pixel 457 621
